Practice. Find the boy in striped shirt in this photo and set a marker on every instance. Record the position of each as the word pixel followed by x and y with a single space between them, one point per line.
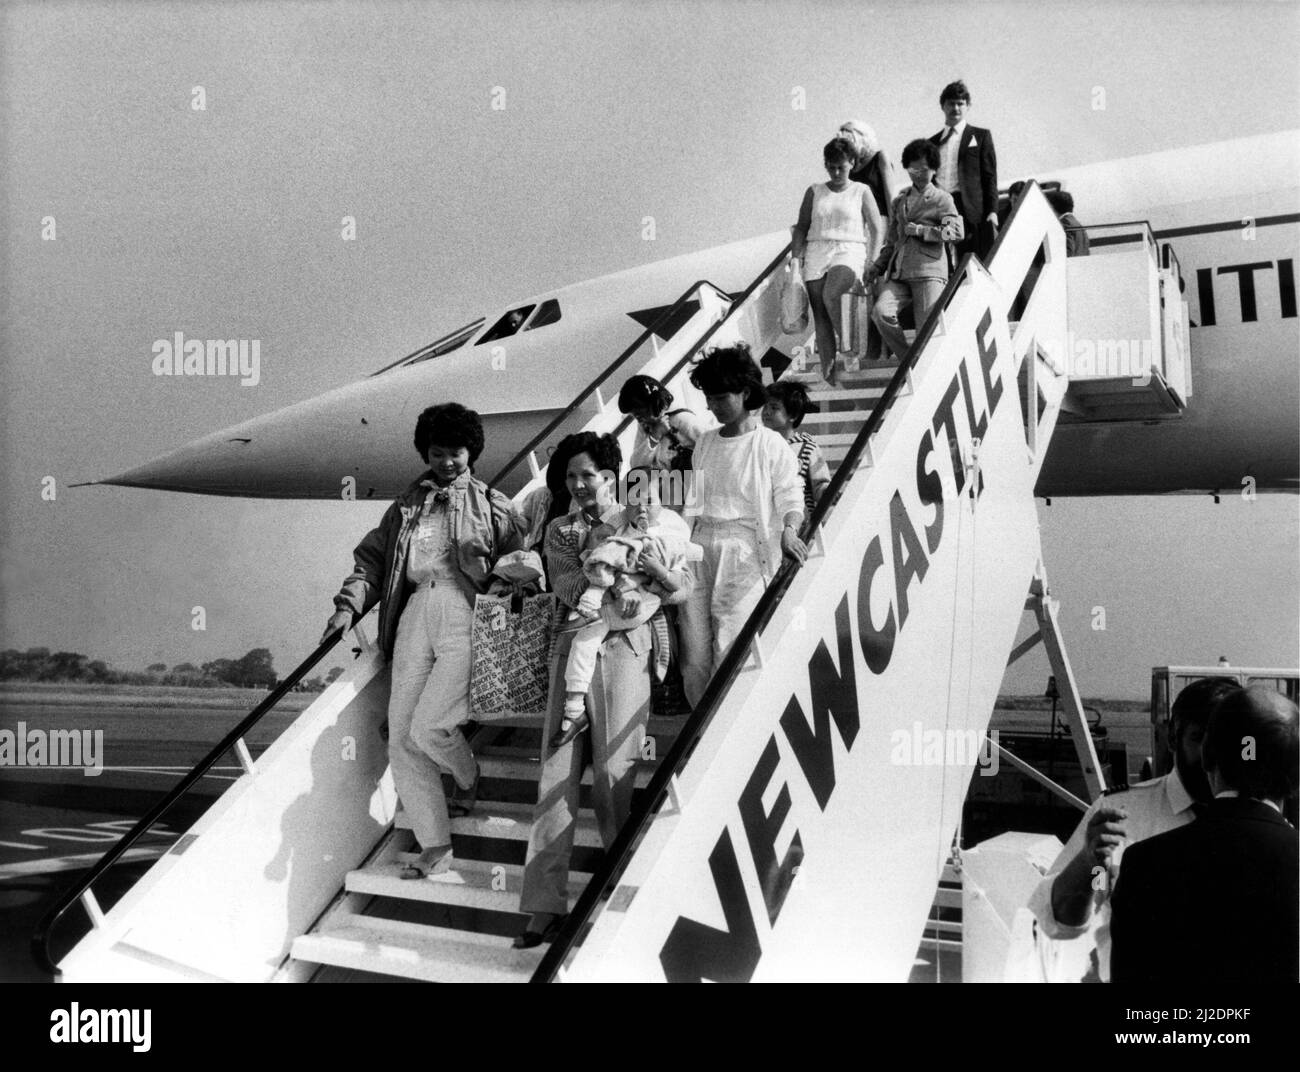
pixel 784 408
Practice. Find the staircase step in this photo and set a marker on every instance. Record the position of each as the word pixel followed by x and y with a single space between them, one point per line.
pixel 500 819
pixel 468 884
pixel 527 770
pixel 835 440
pixel 839 394
pixel 411 951
pixel 526 752
pixel 392 928
pixel 874 372
pixel 868 372
pixel 848 417
pixel 529 753
pixel 666 725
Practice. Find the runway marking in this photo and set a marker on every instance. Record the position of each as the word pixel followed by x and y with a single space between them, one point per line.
pixel 123 825
pixel 110 830
pixel 135 769
pixel 71 863
pixel 72 833
pixel 181 770
pixel 157 767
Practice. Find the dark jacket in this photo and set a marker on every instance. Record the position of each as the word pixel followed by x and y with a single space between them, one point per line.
pixel 873 175
pixel 1076 238
pixel 977 175
pixel 485 526
pixel 1214 901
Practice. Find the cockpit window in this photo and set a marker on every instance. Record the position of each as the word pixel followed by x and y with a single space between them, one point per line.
pixel 445 345
pixel 507 325
pixel 547 313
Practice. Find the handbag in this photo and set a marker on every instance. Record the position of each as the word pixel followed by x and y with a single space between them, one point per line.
pixel 509 650
pixel 855 326
pixel 794 301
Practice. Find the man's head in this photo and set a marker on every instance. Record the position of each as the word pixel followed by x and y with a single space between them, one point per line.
pixel 955 102
pixel 1188 720
pixel 1061 201
pixel 1252 745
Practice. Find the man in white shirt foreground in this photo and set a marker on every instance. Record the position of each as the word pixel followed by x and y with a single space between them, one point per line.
pixel 1074 896
pixel 1226 884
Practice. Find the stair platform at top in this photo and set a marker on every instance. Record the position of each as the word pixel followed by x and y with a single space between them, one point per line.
pixel 1126 347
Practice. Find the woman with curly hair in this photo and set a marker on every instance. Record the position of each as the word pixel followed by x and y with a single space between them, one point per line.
pixel 748 507
pixel 431 554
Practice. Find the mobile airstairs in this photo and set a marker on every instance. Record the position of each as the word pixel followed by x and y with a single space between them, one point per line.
pixel 796 825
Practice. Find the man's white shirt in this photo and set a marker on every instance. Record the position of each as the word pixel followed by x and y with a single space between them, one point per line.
pixel 1153 807
pixel 946 177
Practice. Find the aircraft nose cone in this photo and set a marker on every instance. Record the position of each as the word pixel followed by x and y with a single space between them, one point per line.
pixel 306 451
pixel 218 464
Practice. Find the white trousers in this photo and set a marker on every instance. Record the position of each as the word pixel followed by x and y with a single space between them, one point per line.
pixel 428 704
pixel 736 569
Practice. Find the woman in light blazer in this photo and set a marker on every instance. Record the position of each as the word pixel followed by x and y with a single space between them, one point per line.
pixel 914 262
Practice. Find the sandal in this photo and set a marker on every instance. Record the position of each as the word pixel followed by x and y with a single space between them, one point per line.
pixel 426 864
pixel 569 729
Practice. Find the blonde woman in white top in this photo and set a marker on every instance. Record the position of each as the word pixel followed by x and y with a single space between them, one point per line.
pixel 836 237
pixel 748 509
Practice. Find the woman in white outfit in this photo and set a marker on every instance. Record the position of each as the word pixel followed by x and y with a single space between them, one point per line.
pixel 836 237
pixel 749 501
pixel 431 554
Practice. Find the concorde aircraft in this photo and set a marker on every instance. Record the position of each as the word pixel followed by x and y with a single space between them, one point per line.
pixel 1233 208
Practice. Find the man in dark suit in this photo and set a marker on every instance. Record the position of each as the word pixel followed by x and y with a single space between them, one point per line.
pixel 1076 237
pixel 1216 901
pixel 968 169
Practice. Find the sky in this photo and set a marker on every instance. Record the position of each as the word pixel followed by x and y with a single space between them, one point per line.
pixel 225 222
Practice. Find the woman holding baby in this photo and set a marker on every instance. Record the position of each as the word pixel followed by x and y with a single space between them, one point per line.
pixel 610 732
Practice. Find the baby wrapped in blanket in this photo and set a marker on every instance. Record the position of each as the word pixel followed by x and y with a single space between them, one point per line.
pixel 629 574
